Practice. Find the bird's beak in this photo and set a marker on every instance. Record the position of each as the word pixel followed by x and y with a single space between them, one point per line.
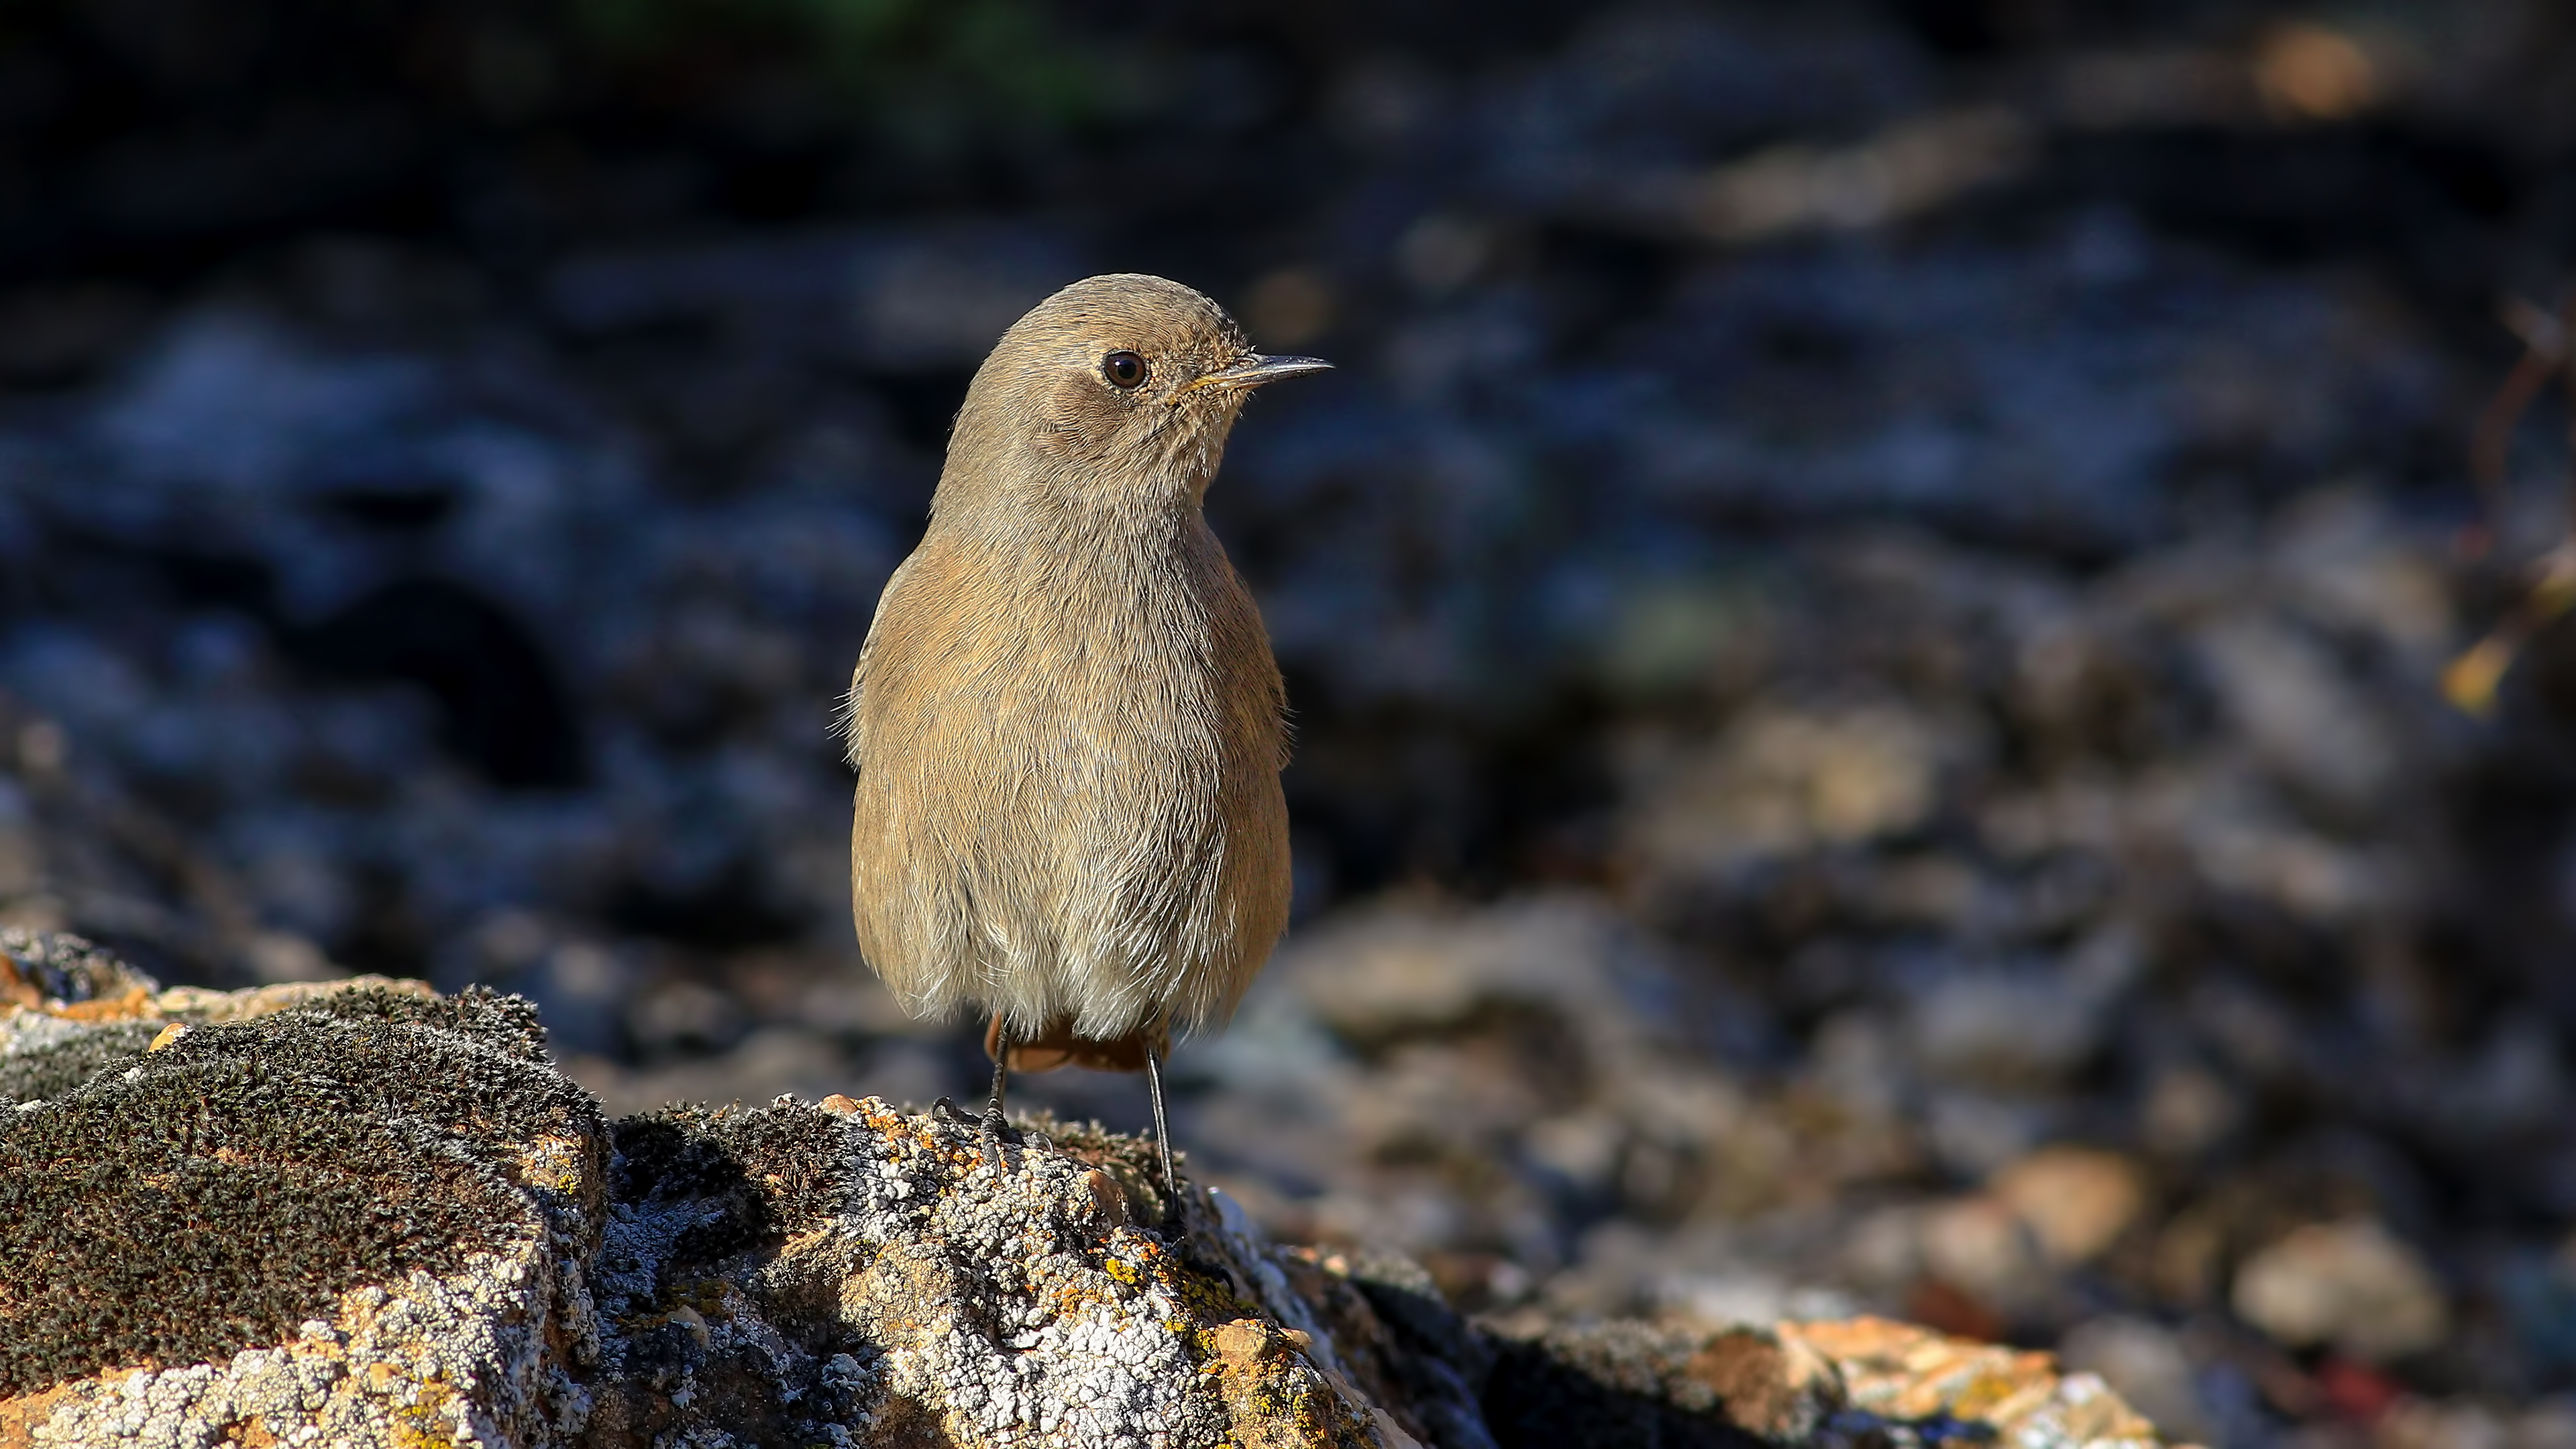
pixel 1254 369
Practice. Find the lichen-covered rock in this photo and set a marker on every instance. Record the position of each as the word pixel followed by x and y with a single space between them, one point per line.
pixel 363 1214
pixel 1895 1372
pixel 321 1210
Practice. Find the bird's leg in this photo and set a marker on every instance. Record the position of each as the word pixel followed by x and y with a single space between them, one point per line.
pixel 1162 1125
pixel 993 1121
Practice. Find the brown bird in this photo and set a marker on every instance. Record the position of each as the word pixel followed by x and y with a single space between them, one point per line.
pixel 1066 721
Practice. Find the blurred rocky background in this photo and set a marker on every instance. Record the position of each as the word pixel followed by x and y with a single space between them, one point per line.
pixel 1868 608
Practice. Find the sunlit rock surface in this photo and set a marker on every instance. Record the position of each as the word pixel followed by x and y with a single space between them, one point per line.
pixel 362 1213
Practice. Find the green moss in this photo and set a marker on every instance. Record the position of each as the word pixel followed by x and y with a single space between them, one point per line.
pixel 757 1175
pixel 505 1023
pixel 39 1074
pixel 216 1193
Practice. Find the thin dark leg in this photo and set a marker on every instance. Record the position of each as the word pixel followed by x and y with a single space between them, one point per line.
pixel 1162 1127
pixel 993 1121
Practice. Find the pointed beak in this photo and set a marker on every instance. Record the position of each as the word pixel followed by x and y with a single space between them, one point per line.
pixel 1255 369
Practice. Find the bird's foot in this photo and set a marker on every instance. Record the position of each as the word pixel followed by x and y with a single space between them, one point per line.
pixel 993 1128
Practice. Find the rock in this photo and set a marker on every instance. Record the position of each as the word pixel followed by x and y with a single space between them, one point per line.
pixel 2076 1200
pixel 359 1213
pixel 1905 1373
pixel 307 1209
pixel 1982 1247
pixel 376 1213
pixel 2004 1029
pixel 2145 1363
pixel 2433 1424
pixel 1477 1063
pixel 2297 711
pixel 1784 779
pixel 2347 1284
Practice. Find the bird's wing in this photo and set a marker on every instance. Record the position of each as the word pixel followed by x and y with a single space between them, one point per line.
pixel 847 722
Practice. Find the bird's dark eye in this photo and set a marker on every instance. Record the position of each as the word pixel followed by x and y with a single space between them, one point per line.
pixel 1124 370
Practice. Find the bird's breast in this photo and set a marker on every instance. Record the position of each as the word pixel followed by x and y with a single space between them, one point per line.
pixel 1052 660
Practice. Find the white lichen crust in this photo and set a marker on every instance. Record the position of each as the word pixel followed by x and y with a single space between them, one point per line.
pixel 1026 1310
pixel 461 1359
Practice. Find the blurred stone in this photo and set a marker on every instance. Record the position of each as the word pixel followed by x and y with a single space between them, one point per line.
pixel 1749 1297
pixel 2188 1110
pixel 276 956
pixel 770 1062
pixel 1976 1134
pixel 1290 307
pixel 903 301
pixel 1397 971
pixel 1914 166
pixel 2077 1201
pixel 680 1014
pixel 2435 1424
pixel 2550 1424
pixel 1982 1247
pixel 1904 1372
pixel 2005 1027
pixel 1782 780
pixel 2348 1284
pixel 2301 714
pixel 2316 73
pixel 2145 1363
pixel 1671 636
pixel 2353 565
pixel 52 334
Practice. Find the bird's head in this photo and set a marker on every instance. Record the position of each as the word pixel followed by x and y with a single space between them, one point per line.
pixel 1118 388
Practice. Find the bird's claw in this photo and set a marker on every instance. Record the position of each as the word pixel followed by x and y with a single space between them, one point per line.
pixel 992 1132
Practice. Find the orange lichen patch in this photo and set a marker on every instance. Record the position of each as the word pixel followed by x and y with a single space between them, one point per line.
pixel 1912 1373
pixel 2002 1393
pixel 197 1003
pixel 918 1133
pixel 1904 1372
pixel 1208 1299
pixel 1274 1398
pixel 194 1003
pixel 1246 1342
pixel 429 1421
pixel 20 1416
pixel 132 1004
pixel 1765 1381
pixel 1863 1340
pixel 251 1433
pixel 169 1034
pixel 15 988
pixel 554 1161
pixel 1072 1299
